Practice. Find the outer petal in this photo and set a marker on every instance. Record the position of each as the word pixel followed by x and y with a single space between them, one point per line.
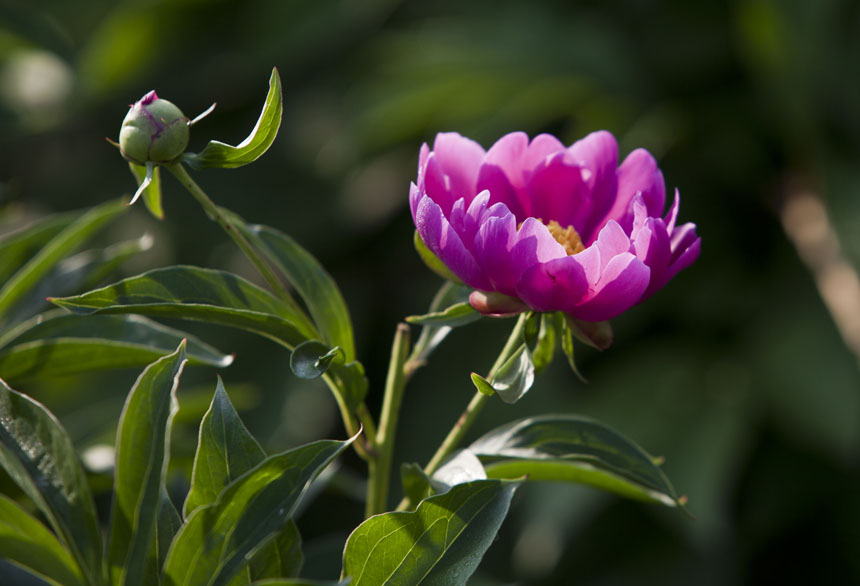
pixel 638 175
pixel 597 153
pixel 621 286
pixel 502 173
pixel 459 158
pixel 558 285
pixel 650 241
pixel 435 184
pixel 493 252
pixel 541 147
pixel 445 243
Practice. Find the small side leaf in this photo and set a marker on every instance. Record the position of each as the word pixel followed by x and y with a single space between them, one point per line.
pixel 312 359
pixel 416 484
pixel 216 540
pixel 225 156
pixel 458 314
pixel 27 543
pixel 571 448
pixel 596 334
pixel 225 451
pixel 441 543
pixel 142 451
pixel 449 294
pixel 482 385
pixel 39 456
pixel 567 343
pixel 515 377
pixel 152 192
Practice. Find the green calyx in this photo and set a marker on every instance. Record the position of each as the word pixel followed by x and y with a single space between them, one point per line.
pixel 154 130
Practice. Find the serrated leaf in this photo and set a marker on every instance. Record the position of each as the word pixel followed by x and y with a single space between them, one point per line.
pixel 416 484
pixel 27 543
pixel 433 262
pixel 152 192
pixel 225 156
pixel 187 292
pixel 216 540
pixel 515 377
pixel 312 359
pixel 39 456
pixel 573 448
pixel 439 544
pixel 142 453
pixel 60 246
pixel 57 343
pixel 448 295
pixel 456 315
pixel 225 451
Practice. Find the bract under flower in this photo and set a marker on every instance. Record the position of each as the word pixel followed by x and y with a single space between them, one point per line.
pixel 558 228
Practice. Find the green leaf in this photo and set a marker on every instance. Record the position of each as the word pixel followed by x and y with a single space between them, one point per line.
pixel 567 343
pixel 312 359
pixel 152 193
pixel 449 295
pixel 27 543
pixel 515 377
pixel 219 154
pixel 482 385
pixel 312 282
pixel 55 250
pixel 416 484
pixel 300 582
pixel 142 453
pixel 543 349
pixel 280 558
pixel 460 467
pixel 225 451
pixel 458 314
pixel 216 540
pixel 432 261
pixel 199 294
pixel 166 527
pixel 439 544
pixel 571 448
pixel 38 455
pixel 18 246
pixel 596 334
pixel 56 343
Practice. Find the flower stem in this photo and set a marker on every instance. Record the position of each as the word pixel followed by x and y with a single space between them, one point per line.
pixel 379 469
pixel 364 448
pixel 473 409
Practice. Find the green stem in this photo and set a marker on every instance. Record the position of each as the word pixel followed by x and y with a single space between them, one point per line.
pixel 379 469
pixel 253 254
pixel 473 409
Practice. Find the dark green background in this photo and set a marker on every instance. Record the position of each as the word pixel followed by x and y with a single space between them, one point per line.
pixel 735 372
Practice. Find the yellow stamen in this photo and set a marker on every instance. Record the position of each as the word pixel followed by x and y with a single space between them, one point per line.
pixel 567 237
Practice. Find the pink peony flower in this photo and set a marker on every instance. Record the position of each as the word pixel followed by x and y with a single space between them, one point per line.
pixel 552 228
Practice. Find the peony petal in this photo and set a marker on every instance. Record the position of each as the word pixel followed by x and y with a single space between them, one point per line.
pixel 436 184
pixel 623 282
pixel 685 259
pixel 445 243
pixel 506 156
pixel 672 214
pixel 414 196
pixel 597 154
pixel 494 180
pixel 557 285
pixel 493 252
pixel 611 242
pixel 651 243
pixel 638 175
pixel 459 158
pixel 423 154
pixel 541 147
pixel 555 189
pixel 533 244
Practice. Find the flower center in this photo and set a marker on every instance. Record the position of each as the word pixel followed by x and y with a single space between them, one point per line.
pixel 567 237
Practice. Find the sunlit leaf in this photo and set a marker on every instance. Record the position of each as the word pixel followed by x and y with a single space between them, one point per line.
pixel 193 293
pixel 57 343
pixel 482 385
pixel 571 448
pixel 142 453
pixel 225 451
pixel 219 154
pixel 38 455
pixel 515 377
pixel 449 294
pixel 440 544
pixel 29 544
pixel 461 467
pixel 213 545
pixel 280 558
pixel 70 238
pixel 18 246
pixel 458 314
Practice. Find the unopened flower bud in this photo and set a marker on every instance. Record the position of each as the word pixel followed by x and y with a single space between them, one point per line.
pixel 154 130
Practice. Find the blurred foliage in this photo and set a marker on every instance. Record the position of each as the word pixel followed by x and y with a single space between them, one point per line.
pixel 735 373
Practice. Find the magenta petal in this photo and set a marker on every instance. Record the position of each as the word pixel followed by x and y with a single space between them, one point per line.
pixel 672 214
pixel 533 244
pixel 555 188
pixel 651 243
pixel 494 180
pixel 459 158
pixel 493 252
pixel 541 147
pixel 414 196
pixel 444 242
pixel 507 154
pixel 597 153
pixel 638 175
pixel 436 184
pixel 423 154
pixel 556 285
pixel 685 259
pixel 623 282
